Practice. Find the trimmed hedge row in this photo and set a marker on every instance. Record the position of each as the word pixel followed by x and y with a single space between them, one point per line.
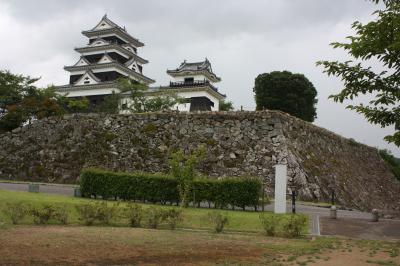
pixel 240 192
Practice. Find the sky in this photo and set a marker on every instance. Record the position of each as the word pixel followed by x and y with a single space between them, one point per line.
pixel 241 38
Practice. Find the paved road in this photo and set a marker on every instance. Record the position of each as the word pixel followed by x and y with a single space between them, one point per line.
pixel 67 190
pixel 314 212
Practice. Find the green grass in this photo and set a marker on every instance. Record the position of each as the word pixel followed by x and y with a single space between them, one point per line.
pixel 193 218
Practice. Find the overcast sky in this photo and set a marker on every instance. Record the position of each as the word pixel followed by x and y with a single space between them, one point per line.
pixel 241 38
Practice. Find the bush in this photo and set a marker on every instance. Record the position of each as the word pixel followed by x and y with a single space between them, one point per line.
pixel 154 216
pixel 16 211
pixel 105 212
pixel 240 192
pixel 218 220
pixel 61 214
pixel 134 212
pixel 270 223
pixel 42 214
pixel 172 217
pixel 294 226
pixel 87 213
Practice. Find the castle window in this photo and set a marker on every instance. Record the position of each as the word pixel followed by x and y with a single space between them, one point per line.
pixel 189 80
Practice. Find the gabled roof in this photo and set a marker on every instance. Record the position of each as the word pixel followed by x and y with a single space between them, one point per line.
pixel 130 62
pixel 118 48
pixel 88 74
pixel 106 26
pixel 106 23
pixel 196 67
pixel 82 62
pixel 106 58
pixel 99 42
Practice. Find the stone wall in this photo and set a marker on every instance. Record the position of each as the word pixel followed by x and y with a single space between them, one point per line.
pixel 237 144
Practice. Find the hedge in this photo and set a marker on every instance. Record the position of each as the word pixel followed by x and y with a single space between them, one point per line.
pixel 239 192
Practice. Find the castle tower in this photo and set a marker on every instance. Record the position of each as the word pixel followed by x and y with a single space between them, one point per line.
pixel 111 53
pixel 196 83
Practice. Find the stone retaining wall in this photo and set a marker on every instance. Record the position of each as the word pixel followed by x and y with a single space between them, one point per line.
pixel 237 144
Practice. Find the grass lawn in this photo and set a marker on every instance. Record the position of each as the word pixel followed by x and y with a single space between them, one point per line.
pixel 193 218
pixel 78 245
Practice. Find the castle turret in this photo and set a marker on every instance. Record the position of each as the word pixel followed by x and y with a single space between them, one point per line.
pixel 196 83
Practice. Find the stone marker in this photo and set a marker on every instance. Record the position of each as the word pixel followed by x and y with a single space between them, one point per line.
pixel 77 192
pixel 375 215
pixel 333 213
pixel 280 188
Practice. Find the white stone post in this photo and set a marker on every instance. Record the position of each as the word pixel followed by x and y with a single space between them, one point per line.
pixel 280 188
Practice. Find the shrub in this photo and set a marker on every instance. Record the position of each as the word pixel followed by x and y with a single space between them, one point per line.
pixel 16 211
pixel 270 223
pixel 240 192
pixel 172 217
pixel 218 220
pixel 42 214
pixel 134 212
pixel 294 226
pixel 87 213
pixel 105 212
pixel 61 214
pixel 154 216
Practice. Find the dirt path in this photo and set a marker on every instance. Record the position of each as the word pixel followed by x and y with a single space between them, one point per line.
pixel 57 245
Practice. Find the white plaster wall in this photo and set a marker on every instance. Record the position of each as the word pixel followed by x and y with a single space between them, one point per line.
pixel 184 107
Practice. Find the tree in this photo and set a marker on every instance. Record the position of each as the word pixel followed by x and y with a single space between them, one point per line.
pixel 21 101
pixel 183 168
pixel 225 106
pixel 288 92
pixel 393 162
pixel 378 40
pixel 110 105
pixel 141 102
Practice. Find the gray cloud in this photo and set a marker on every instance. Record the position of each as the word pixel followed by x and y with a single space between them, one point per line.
pixel 242 38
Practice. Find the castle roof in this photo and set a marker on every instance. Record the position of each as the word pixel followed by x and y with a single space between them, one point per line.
pixel 203 67
pixel 106 26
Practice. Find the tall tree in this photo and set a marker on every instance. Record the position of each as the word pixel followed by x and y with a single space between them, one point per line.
pixel 225 105
pixel 21 101
pixel 378 40
pixel 141 102
pixel 288 92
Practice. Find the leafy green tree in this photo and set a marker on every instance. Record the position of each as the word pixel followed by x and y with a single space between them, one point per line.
pixel 110 105
pixel 21 101
pixel 377 41
pixel 80 105
pixel 287 92
pixel 393 162
pixel 225 105
pixel 183 168
pixel 141 102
